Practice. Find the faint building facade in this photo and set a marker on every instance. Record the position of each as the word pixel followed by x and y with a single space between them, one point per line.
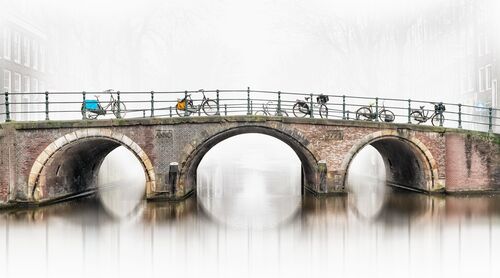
pixel 22 65
pixel 452 54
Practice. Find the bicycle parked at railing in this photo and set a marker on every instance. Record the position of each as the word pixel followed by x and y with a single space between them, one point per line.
pixel 421 116
pixel 266 111
pixel 366 113
pixel 92 108
pixel 301 107
pixel 209 106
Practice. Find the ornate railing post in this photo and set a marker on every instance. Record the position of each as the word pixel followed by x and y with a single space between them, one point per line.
pixel 490 120
pixel 225 109
pixel 248 101
pixel 459 115
pixel 185 103
pixel 251 107
pixel 152 103
pixel 119 102
pixel 279 104
pixel 84 106
pixel 376 109
pixel 311 110
pixel 343 107
pixel 218 106
pixel 170 111
pixel 7 111
pixel 46 105
pixel 409 110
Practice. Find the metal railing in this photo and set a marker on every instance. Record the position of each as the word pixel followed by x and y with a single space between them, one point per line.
pixel 69 105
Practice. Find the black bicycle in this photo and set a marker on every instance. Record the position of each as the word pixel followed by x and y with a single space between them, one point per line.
pixel 366 113
pixel 301 107
pixel 421 115
pixel 185 106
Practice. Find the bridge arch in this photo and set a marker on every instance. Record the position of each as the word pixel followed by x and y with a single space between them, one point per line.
pixel 71 163
pixel 407 160
pixel 298 143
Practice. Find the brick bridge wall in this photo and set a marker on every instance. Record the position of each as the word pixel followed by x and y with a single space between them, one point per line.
pixel 42 161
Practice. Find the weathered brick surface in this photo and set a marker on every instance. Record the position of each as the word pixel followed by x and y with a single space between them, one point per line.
pixel 4 177
pixel 473 163
pixel 462 166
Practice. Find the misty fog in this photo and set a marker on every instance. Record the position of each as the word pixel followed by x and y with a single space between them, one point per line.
pixel 339 47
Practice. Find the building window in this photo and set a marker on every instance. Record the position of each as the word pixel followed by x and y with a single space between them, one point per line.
pixel 481 79
pixel 26 99
pixel 26 84
pixel 34 47
pixel 17 82
pixel 487 77
pixel 17 48
pixel 34 85
pixel 6 81
pixel 6 43
pixel 42 58
pixel 26 51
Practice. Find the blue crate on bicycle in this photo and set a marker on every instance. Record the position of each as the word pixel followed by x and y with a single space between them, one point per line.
pixel 91 104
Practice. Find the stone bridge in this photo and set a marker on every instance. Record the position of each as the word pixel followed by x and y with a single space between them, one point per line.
pixel 46 161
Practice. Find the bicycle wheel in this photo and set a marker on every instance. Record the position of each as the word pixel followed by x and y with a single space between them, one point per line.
pixel 300 109
pixel 283 113
pixel 437 119
pixel 386 116
pixel 184 112
pixel 87 114
pixel 416 117
pixel 260 113
pixel 364 113
pixel 122 112
pixel 323 111
pixel 210 107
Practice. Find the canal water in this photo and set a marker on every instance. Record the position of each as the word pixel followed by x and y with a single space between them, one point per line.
pixel 249 219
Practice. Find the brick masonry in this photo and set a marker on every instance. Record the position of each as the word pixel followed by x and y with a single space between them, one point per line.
pixel 447 159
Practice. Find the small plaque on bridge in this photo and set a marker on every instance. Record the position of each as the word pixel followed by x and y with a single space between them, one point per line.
pixel 334 134
pixel 163 133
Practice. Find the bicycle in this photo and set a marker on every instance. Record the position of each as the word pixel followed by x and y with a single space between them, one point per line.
pixel 208 106
pixel 301 107
pixel 265 111
pixel 421 116
pixel 92 108
pixel 366 113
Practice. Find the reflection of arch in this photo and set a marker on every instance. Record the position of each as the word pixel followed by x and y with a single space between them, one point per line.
pixel 192 158
pixel 71 163
pixel 408 161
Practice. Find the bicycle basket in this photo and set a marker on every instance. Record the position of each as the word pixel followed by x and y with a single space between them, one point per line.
pixel 91 104
pixel 181 104
pixel 322 99
pixel 439 107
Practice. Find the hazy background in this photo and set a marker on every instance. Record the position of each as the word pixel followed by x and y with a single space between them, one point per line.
pixel 385 48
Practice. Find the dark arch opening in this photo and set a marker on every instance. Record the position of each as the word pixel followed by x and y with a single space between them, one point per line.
pixel 74 168
pixel 309 163
pixel 406 165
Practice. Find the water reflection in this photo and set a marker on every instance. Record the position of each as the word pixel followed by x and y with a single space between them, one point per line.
pixel 410 230
pixel 121 183
pixel 242 184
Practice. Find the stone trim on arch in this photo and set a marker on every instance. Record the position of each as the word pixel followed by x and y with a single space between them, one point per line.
pixel 431 162
pixel 193 152
pixel 35 193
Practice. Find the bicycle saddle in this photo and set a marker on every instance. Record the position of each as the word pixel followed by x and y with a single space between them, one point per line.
pixel 97 96
pixel 307 98
pixel 422 107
